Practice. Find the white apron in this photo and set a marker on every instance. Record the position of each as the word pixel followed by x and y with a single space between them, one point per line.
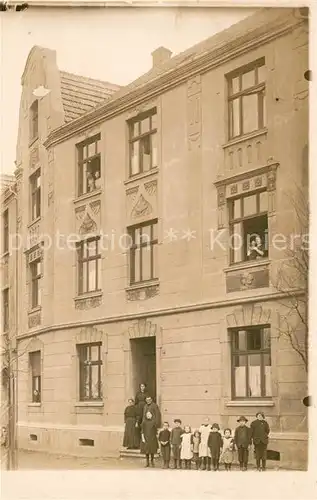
pixel 204 450
pixel 186 447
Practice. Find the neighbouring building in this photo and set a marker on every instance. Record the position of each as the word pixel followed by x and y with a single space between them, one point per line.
pixel 128 199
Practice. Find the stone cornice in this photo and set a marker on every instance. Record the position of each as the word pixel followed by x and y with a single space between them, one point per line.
pixel 176 76
pixel 156 313
pixel 223 181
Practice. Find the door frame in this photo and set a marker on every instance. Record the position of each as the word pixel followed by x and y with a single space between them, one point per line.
pixel 142 328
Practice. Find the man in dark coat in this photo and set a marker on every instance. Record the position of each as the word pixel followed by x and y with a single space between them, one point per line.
pixel 152 408
pixel 242 440
pixel 215 443
pixel 260 431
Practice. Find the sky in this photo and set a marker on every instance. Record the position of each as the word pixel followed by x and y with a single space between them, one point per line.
pixel 108 44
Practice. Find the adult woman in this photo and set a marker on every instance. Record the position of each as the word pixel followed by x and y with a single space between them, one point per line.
pixel 140 398
pixel 130 438
pixel 149 438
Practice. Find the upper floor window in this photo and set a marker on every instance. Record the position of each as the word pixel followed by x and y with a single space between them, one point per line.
pixel 143 143
pixel 36 274
pixel 89 165
pixel 5 227
pixel 5 305
pixel 89 265
pixel 35 366
pixel 143 252
pixel 34 120
pixel 251 362
pixel 35 185
pixel 90 371
pixel 246 99
pixel 248 223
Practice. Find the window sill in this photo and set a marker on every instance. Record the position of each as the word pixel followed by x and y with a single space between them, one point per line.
pixel 89 404
pixel 88 295
pixel 35 309
pixel 35 221
pixel 34 405
pixel 247 265
pixel 143 291
pixel 86 196
pixel 245 137
pixel 249 403
pixel 33 141
pixel 141 176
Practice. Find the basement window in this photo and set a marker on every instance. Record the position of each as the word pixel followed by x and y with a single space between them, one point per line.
pixel 86 442
pixel 33 437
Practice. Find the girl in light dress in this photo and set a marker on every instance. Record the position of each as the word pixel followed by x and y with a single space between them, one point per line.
pixel 227 454
pixel 186 447
pixel 204 451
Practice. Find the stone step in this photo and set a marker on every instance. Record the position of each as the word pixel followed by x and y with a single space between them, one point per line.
pixel 125 453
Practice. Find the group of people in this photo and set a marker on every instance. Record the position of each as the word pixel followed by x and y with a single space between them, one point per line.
pixel 205 447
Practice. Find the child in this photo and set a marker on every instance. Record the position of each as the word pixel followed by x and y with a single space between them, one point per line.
pixel 164 440
pixel 149 438
pixel 186 447
pixel 260 431
pixel 176 442
pixel 195 445
pixel 215 444
pixel 242 440
pixel 204 452
pixel 227 450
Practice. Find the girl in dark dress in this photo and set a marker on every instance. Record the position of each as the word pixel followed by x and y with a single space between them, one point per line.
pixel 140 398
pixel 130 438
pixel 149 438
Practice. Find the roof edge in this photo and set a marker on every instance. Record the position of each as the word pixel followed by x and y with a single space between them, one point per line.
pixel 228 50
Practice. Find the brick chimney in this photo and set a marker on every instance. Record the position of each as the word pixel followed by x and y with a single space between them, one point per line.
pixel 160 56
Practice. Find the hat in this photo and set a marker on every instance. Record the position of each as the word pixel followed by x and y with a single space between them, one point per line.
pixel 260 413
pixel 215 426
pixel 242 419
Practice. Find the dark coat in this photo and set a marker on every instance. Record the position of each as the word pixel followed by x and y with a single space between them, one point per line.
pixel 176 436
pixel 131 437
pixel 154 409
pixel 149 431
pixel 165 437
pixel 242 437
pixel 260 431
pixel 139 402
pixel 215 443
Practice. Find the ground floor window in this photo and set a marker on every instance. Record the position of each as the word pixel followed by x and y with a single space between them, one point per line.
pixel 251 362
pixel 90 371
pixel 35 365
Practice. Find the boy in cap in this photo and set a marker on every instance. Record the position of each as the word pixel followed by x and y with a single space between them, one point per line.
pixel 215 444
pixel 260 431
pixel 176 442
pixel 242 440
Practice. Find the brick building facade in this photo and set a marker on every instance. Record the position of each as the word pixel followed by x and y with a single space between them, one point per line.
pixel 208 143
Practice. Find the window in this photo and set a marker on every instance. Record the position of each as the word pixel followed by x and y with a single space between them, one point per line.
pixel 143 143
pixel 89 266
pixel 90 374
pixel 35 269
pixel 143 252
pixel 35 183
pixel 5 221
pixel 251 363
pixel 246 99
pixel 248 223
pixel 5 305
pixel 34 120
pixel 35 364
pixel 89 170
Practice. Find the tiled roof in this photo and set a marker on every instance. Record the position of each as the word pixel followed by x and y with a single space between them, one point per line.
pixel 81 94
